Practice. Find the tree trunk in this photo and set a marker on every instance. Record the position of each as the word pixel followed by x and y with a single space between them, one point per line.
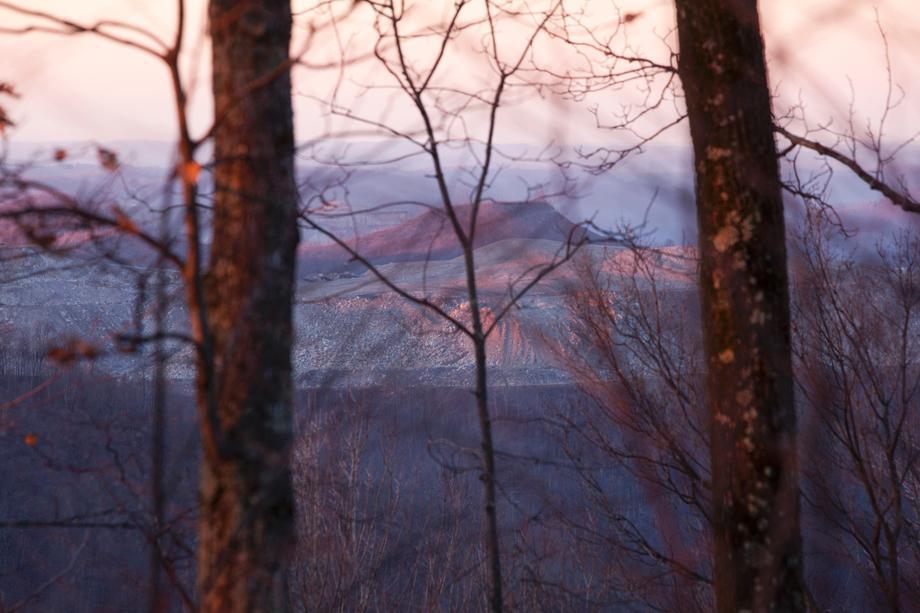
pixel 490 500
pixel 745 301
pixel 246 528
pixel 158 601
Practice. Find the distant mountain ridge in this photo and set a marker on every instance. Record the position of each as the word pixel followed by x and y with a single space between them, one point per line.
pixel 430 236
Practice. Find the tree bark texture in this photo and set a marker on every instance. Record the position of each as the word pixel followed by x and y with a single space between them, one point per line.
pixel 745 302
pixel 247 510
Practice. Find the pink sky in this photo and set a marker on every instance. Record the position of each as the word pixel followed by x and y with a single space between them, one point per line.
pixel 85 88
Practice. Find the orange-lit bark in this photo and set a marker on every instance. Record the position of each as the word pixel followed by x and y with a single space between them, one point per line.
pixel 745 302
pixel 247 519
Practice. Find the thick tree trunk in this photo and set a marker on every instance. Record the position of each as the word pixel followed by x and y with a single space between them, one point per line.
pixel 247 520
pixel 744 291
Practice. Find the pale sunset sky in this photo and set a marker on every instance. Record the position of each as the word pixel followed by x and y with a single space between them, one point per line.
pixel 76 88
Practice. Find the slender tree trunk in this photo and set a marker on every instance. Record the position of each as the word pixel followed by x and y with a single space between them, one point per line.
pixel 488 477
pixel 246 529
pixel 490 500
pixel 744 292
pixel 158 601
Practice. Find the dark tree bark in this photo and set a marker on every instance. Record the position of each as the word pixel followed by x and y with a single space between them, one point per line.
pixel 745 301
pixel 247 520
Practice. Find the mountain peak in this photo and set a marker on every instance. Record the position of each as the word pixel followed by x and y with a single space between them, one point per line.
pixel 430 236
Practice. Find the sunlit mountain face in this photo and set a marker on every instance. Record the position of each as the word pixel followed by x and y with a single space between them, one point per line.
pixel 430 235
pixel 345 317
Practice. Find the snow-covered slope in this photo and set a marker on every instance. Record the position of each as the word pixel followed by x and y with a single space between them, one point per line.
pixel 349 331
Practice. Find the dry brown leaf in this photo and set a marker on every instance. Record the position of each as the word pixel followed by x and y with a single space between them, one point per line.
pixel 189 171
pixel 107 158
